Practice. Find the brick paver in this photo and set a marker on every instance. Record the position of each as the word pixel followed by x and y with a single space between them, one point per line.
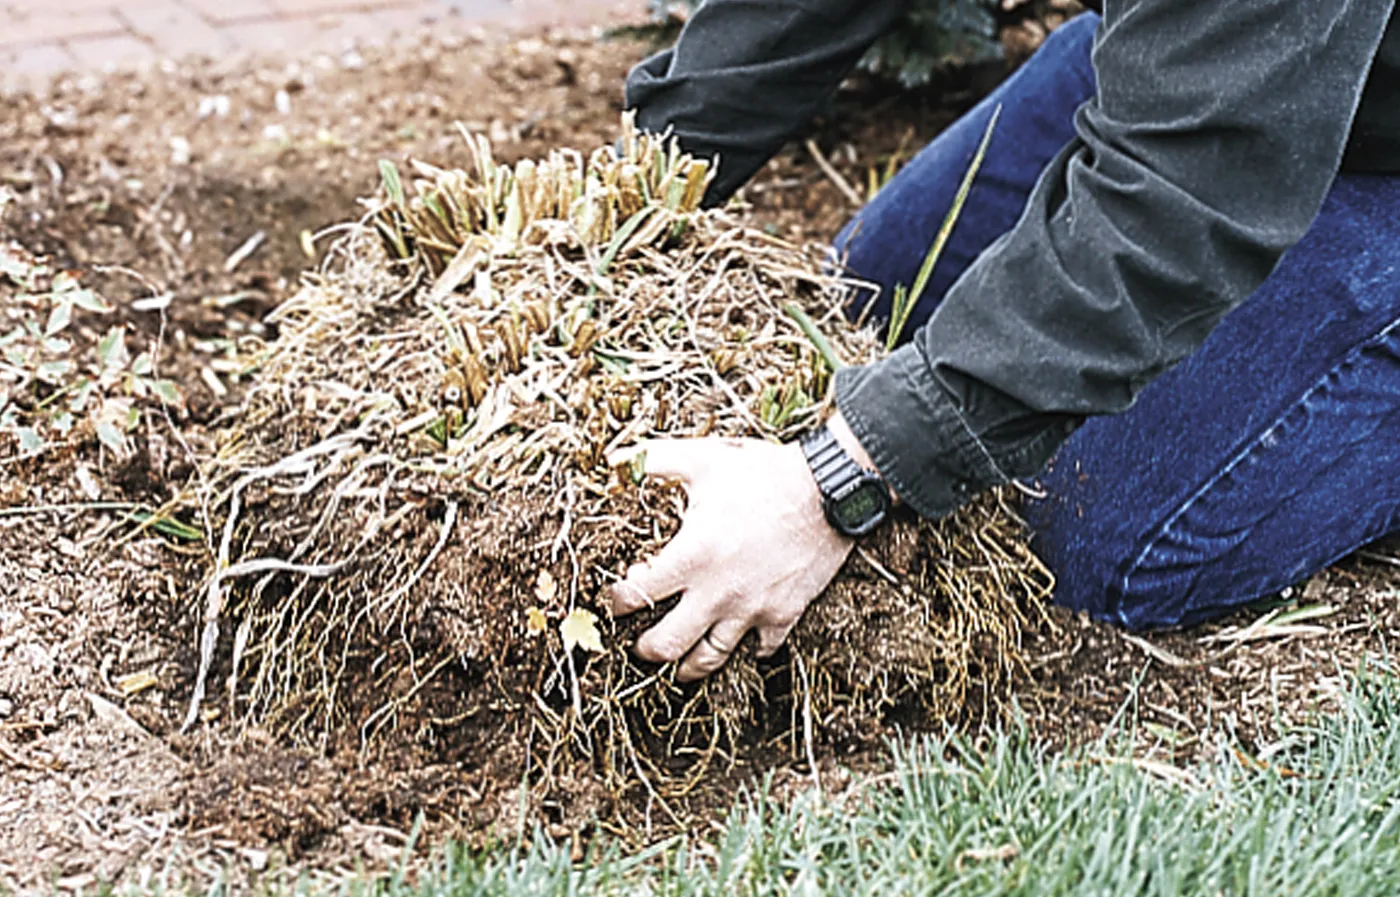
pixel 41 37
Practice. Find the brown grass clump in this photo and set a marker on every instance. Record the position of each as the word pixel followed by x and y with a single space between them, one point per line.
pixel 417 515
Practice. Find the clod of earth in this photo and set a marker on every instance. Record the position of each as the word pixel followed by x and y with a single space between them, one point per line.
pixel 415 520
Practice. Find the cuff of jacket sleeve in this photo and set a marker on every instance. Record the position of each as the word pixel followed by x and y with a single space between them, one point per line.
pixel 912 430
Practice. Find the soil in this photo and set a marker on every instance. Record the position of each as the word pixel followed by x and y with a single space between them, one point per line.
pixel 151 184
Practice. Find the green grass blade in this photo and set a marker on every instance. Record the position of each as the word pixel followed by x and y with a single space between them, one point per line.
pixel 819 342
pixel 899 317
pixel 168 526
pixel 393 184
pixel 624 233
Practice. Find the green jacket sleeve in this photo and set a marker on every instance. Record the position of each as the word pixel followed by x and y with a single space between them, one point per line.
pixel 745 75
pixel 1215 136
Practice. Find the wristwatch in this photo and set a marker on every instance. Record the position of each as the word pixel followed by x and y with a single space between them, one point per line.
pixel 854 499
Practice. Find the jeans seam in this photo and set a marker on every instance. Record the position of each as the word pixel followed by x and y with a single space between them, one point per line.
pixel 1240 457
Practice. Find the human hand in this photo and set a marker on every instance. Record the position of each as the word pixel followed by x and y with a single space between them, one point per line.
pixel 753 551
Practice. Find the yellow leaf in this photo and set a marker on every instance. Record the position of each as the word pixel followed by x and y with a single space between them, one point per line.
pixel 535 621
pixel 581 628
pixel 546 588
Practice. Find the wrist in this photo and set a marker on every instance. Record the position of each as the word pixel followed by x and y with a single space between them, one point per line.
pixel 846 438
pixel 855 498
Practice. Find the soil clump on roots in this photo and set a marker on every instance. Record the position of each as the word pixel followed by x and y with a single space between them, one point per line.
pixel 418 521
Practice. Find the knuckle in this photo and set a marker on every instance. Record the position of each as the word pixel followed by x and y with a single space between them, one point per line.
pixel 668 649
pixel 776 619
pixel 688 562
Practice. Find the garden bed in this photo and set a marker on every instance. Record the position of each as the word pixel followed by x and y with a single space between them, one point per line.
pixel 153 189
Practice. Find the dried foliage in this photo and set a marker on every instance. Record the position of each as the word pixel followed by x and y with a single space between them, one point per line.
pixel 418 520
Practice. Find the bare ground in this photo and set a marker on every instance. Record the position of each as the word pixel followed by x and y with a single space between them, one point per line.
pixel 150 183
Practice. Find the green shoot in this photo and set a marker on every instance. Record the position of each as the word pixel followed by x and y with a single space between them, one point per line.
pixel 905 301
pixel 624 233
pixel 393 184
pixel 819 342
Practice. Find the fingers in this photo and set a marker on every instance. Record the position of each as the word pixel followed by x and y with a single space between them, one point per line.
pixel 716 645
pixel 687 631
pixel 658 578
pixel 771 638
pixel 626 597
pixel 679 630
pixel 713 649
pixel 665 574
pixel 673 459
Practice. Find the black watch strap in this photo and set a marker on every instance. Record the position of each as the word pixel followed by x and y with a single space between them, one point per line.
pixel 855 500
pixel 832 468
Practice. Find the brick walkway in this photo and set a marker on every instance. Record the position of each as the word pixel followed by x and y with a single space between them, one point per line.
pixel 41 37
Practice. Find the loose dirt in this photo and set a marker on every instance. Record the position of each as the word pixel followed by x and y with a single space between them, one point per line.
pixel 151 185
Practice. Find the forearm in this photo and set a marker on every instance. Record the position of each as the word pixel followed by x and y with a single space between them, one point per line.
pixel 1216 133
pixel 746 75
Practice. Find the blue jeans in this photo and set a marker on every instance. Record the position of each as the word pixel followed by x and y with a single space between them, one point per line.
pixel 1268 454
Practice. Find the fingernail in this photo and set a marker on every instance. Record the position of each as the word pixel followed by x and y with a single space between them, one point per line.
pixel 627 597
pixel 643 650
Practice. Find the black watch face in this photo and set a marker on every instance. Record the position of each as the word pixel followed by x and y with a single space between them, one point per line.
pixel 862 508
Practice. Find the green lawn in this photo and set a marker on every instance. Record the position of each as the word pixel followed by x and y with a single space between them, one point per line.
pixel 1319 815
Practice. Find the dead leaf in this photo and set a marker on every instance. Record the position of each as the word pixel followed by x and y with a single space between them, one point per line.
pixel 983 854
pixel 16 264
pixel 114 717
pixel 581 628
pixel 535 621
pixel 546 588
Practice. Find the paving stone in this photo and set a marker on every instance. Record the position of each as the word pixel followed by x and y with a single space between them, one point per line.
pixel 36 62
pixel 106 53
pixel 47 35
pixel 478 11
pixel 71 7
pixel 572 13
pixel 174 30
pixel 30 29
pixel 273 35
pixel 296 8
pixel 220 12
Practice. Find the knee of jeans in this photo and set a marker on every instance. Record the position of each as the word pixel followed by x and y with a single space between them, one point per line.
pixel 1240 537
pixel 1089 577
pixel 1182 576
pixel 1121 569
pixel 1082 558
